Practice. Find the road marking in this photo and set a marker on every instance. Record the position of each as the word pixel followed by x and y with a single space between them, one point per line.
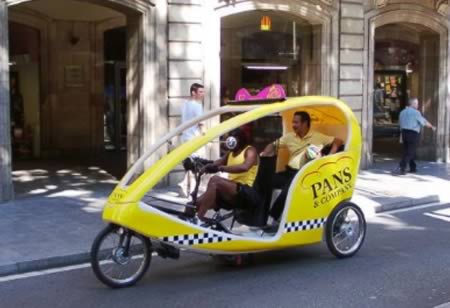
pixel 445 305
pixel 49 271
pixel 412 208
pixel 438 216
pixel 44 272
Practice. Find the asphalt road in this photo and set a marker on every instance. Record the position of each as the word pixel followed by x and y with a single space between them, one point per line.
pixel 405 262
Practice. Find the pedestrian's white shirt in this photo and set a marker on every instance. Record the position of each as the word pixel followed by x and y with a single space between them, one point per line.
pixel 190 109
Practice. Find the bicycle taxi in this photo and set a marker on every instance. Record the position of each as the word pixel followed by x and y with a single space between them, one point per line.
pixel 145 220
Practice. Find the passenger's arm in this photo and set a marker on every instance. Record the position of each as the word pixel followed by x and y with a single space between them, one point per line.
pixel 251 158
pixel 336 144
pixel 269 150
pixel 273 147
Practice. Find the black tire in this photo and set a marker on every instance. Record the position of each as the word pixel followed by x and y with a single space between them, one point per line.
pixel 120 254
pixel 338 224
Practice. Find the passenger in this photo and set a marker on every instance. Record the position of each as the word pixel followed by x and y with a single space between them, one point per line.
pixel 296 142
pixel 241 163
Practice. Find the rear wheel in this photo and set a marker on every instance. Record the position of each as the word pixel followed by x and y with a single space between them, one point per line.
pixel 120 257
pixel 345 230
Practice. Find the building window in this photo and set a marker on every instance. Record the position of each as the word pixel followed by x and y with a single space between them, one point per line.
pixel 287 53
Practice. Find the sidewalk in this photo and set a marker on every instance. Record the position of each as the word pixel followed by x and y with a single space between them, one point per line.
pixel 378 190
pixel 57 213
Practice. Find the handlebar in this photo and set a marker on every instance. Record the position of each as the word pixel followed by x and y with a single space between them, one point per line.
pixel 196 165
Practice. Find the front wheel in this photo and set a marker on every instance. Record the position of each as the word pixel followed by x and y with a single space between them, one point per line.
pixel 120 257
pixel 345 230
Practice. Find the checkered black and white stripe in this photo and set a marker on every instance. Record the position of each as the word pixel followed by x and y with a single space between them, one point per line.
pixel 304 225
pixel 196 239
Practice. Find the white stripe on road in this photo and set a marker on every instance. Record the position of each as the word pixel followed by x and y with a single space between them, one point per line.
pixel 44 272
pixel 412 208
pixel 49 271
pixel 446 305
pixel 438 216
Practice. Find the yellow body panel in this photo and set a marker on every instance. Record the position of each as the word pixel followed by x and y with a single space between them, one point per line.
pixel 316 190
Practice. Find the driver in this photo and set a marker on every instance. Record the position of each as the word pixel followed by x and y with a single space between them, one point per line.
pixel 237 191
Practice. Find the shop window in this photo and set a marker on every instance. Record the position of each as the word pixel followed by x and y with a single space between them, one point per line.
pixel 287 53
pixel 389 99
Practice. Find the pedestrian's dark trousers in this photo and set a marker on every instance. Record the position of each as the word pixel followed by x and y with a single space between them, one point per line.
pixel 281 180
pixel 410 139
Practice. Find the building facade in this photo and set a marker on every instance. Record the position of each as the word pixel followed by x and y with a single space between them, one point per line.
pixel 88 76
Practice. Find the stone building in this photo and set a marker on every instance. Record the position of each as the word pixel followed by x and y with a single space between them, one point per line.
pixel 87 76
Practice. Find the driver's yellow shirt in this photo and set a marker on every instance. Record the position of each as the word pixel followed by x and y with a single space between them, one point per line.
pixel 297 146
pixel 248 177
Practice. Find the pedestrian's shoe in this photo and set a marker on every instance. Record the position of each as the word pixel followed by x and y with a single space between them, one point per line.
pixel 413 170
pixel 399 171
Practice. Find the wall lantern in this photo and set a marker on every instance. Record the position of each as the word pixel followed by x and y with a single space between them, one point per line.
pixel 266 23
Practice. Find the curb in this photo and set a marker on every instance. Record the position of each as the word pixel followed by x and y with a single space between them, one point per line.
pixel 44 264
pixel 405 202
pixel 84 257
pixel 372 207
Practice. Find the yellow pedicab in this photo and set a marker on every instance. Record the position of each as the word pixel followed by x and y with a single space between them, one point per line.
pixel 143 220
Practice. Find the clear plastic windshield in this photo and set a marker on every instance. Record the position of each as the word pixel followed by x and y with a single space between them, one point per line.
pixel 185 180
pixel 173 139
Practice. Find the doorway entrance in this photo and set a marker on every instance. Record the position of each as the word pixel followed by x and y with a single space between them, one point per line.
pixel 115 123
pixel 406 65
pixel 68 69
pixel 24 68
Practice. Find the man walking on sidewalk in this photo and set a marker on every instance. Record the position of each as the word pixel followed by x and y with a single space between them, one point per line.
pixel 411 122
pixel 192 108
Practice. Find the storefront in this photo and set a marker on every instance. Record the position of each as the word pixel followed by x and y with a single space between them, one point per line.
pixel 71 81
pixel 374 55
pixel 408 57
pixel 261 48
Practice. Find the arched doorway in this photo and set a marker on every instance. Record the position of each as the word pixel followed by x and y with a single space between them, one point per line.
pixel 69 78
pixel 71 107
pixel 407 53
pixel 25 85
pixel 406 65
pixel 320 22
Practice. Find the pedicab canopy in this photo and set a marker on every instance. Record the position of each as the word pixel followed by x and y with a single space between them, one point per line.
pixel 329 116
pixel 316 190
